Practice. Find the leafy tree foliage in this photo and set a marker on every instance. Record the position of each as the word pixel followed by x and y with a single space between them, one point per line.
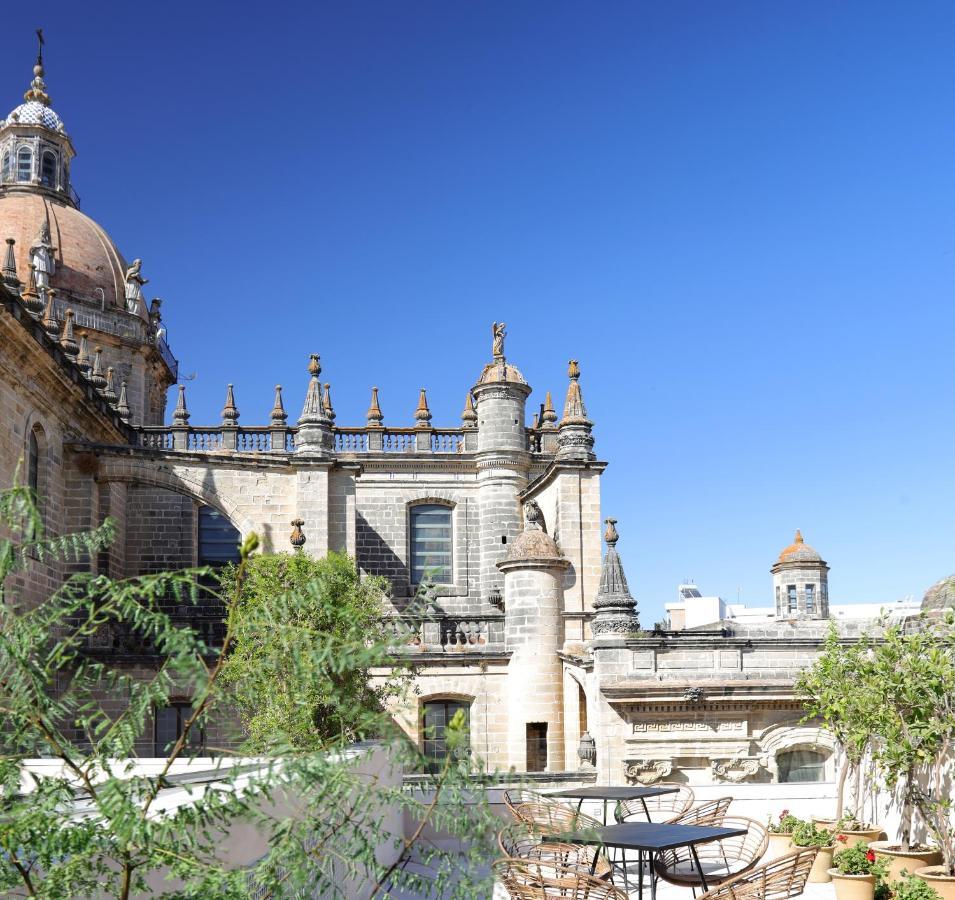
pixel 90 825
pixel 835 689
pixel 319 601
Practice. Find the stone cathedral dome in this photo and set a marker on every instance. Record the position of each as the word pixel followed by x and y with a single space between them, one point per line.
pixel 39 208
pixel 89 267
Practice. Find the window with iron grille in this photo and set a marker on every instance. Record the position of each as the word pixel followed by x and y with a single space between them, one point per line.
pixel 437 715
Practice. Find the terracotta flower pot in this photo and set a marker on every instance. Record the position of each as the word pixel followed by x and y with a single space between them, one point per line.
pixel 852 887
pixel 941 882
pixel 821 822
pixel 900 859
pixel 819 873
pixel 867 836
pixel 779 845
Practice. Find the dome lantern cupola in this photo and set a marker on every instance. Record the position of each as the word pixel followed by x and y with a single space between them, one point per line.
pixel 35 150
pixel 801 582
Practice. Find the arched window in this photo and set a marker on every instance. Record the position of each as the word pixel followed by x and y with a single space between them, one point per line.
pixel 24 164
pixel 33 465
pixel 48 169
pixel 6 166
pixel 436 715
pixel 431 543
pixel 801 765
pixel 218 538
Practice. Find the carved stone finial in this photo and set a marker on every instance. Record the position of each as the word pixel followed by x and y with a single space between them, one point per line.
pixel 315 434
pixel 610 535
pixel 278 417
pixel 30 297
pixel 10 267
pixel 67 340
pixel 83 357
pixel 297 538
pixel 180 415
pixel 50 325
pixel 122 405
pixel 37 89
pixel 108 393
pixel 422 414
pixel 615 608
pixel 575 439
pixel 327 403
pixel 498 333
pixel 549 419
pixel 374 416
pixel 230 412
pixel 798 538
pixel 469 416
pixel 97 379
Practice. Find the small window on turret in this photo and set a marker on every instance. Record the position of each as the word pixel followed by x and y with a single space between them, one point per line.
pixel 6 166
pixel 24 164
pixel 48 170
pixel 791 595
pixel 810 597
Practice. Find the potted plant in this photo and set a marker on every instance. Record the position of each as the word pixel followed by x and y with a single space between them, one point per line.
pixel 856 871
pixel 909 887
pixel 780 835
pixel 833 690
pixel 856 830
pixel 912 682
pixel 934 800
pixel 806 834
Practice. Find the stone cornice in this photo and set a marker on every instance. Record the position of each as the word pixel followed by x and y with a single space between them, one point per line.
pixel 541 564
pixel 558 467
pixel 64 368
pixel 770 690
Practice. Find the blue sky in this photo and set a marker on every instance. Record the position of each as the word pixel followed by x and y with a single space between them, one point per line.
pixel 739 217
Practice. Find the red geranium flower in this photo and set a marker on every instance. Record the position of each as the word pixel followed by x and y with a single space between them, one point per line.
pixel 870 855
pixel 784 813
pixel 842 838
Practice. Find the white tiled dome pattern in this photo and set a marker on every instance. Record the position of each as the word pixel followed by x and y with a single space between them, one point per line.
pixel 34 113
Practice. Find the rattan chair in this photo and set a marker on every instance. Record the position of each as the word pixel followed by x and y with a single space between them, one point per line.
pixel 519 842
pixel 781 879
pixel 662 808
pixel 712 812
pixel 554 818
pixel 540 880
pixel 720 860
pixel 514 797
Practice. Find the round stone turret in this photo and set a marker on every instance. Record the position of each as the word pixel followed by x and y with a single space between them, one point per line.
pixel 533 634
pixel 501 397
pixel 800 582
pixel 503 459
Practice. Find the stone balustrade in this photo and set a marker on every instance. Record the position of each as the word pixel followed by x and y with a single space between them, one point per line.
pixel 281 439
pixel 450 634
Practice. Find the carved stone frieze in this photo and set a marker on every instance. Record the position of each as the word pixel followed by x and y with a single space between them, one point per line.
pixel 648 771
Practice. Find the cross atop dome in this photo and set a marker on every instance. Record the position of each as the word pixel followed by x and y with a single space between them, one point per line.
pixel 35 149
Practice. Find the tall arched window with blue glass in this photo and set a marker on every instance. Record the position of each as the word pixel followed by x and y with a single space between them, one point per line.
pixel 431 544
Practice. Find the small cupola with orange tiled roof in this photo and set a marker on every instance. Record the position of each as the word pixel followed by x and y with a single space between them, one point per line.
pixel 800 582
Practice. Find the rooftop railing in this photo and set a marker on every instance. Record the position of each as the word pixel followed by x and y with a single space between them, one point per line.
pixel 348 441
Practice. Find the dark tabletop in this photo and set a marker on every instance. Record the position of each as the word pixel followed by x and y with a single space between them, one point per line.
pixel 650 836
pixel 613 793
